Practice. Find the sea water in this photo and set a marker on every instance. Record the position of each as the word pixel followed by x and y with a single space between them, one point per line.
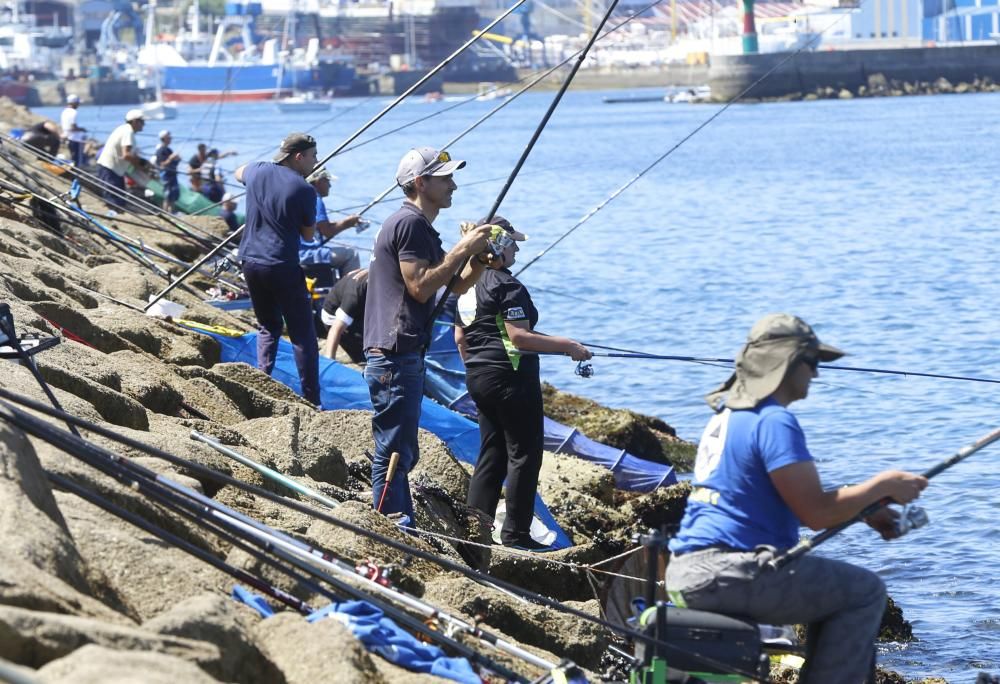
pixel 875 220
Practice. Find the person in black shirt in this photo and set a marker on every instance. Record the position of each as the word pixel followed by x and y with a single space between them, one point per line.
pixel 167 161
pixel 344 312
pixel 495 336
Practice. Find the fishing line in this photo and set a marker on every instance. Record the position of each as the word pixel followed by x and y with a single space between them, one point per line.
pixel 619 353
pixel 590 214
pixel 531 82
pixel 457 276
pixel 413 88
pixel 392 105
pixel 224 479
pixel 191 231
pixel 342 111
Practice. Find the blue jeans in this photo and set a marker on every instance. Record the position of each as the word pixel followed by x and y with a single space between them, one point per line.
pixel 112 181
pixel 396 385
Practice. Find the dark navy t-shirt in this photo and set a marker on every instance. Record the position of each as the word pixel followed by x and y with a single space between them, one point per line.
pixel 482 312
pixel 393 319
pixel 279 203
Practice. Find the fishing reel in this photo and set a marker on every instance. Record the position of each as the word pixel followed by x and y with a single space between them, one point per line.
pixel 362 225
pixel 380 574
pixel 499 240
pixel 584 369
pixel 911 518
pixel 13 346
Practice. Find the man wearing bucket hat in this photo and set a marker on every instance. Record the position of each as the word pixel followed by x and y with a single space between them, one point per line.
pixel 495 336
pixel 281 208
pixel 73 133
pixel 754 484
pixel 342 259
pixel 408 266
pixel 120 155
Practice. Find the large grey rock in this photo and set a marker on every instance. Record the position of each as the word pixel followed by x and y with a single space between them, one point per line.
pixel 34 638
pixel 571 637
pixel 221 621
pixel 94 664
pixel 332 651
pixel 23 586
pixel 296 446
pixel 149 575
pixel 31 524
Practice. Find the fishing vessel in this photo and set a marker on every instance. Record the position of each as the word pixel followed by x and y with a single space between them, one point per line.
pixel 236 68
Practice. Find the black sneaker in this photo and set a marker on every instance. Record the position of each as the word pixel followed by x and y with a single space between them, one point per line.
pixel 526 544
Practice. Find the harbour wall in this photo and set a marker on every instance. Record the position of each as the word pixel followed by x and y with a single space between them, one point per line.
pixel 808 72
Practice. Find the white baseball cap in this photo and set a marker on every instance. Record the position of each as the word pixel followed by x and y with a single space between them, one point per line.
pixel 426 161
pixel 134 115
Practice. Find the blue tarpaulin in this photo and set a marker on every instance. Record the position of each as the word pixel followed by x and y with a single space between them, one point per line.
pixel 343 388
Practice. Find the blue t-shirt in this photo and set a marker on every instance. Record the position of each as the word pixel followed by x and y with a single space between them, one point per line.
pixel 304 244
pixel 393 319
pixel 279 204
pixel 733 502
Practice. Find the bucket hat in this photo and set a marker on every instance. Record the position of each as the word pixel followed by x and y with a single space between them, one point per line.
pixel 775 343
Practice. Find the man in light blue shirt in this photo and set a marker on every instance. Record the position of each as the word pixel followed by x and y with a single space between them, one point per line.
pixel 341 258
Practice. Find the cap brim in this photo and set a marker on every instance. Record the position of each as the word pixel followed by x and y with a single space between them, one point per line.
pixel 447 168
pixel 517 235
pixel 829 353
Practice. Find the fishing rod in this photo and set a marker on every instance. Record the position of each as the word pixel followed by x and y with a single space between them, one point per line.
pixel 194 267
pixel 506 101
pixel 619 353
pixel 177 542
pixel 442 301
pixel 371 122
pixel 199 507
pixel 413 88
pixel 447 564
pixel 264 470
pixel 190 232
pixel 807 545
pixel 808 45
pixel 385 193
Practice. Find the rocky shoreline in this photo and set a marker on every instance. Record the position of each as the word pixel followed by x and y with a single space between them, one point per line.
pixel 86 597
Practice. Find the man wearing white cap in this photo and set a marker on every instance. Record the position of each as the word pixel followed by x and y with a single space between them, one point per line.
pixel 118 156
pixel 408 267
pixel 73 133
pixel 342 259
pixel 754 484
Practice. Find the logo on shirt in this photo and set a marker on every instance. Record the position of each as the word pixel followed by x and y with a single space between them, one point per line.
pixel 515 313
pixel 711 445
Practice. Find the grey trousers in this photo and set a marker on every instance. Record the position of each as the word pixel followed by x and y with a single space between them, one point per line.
pixel 842 604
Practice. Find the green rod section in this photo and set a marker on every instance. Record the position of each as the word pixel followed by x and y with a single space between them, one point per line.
pixel 265 471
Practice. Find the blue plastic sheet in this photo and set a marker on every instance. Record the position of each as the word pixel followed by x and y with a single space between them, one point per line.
pixel 380 635
pixel 343 388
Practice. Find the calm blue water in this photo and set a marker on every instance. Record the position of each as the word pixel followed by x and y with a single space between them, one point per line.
pixel 874 220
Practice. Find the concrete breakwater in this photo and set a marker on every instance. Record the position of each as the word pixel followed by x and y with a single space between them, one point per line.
pixel 810 72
